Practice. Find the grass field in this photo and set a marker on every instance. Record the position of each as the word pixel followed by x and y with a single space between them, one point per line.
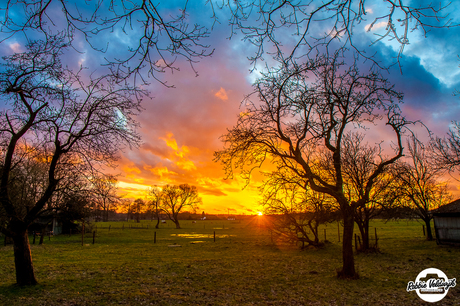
pixel 242 267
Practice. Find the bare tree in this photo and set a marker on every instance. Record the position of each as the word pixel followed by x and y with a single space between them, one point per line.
pixel 446 151
pixel 176 198
pixel 105 196
pixel 138 208
pixel 294 210
pixel 420 186
pixel 159 34
pixel 360 161
pixel 156 38
pixel 154 194
pixel 306 110
pixel 289 30
pixel 77 125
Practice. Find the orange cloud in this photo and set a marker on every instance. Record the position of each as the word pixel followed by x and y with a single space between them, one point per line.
pixel 180 154
pixel 131 170
pixel 170 141
pixel 221 94
pixel 162 172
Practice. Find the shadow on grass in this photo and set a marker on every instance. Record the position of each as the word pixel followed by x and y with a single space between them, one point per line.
pixel 16 291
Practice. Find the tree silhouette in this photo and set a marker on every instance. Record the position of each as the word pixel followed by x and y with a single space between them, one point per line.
pixel 306 110
pixel 156 38
pixel 176 198
pixel 420 187
pixel 77 125
pixel 321 26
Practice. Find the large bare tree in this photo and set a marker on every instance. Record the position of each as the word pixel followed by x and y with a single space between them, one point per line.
pixel 77 122
pixel 176 198
pixel 305 110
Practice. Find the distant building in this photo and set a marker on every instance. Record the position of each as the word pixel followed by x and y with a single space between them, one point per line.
pixel 447 223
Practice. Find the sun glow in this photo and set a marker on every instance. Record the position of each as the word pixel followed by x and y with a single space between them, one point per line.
pixel 259 213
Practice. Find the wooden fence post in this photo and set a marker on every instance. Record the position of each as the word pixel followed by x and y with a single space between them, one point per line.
pixel 214 236
pixel 82 232
pixel 155 237
pixel 338 230
pixel 376 239
pixel 325 235
pixel 94 236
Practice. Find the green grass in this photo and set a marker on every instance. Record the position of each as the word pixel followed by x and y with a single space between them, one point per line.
pixel 242 267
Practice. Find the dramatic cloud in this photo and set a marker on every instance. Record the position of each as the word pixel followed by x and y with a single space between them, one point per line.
pixel 181 126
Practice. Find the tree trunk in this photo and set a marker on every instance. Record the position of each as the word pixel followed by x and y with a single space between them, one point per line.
pixel 158 221
pixel 177 224
pixel 365 236
pixel 42 236
pixel 348 269
pixel 23 259
pixel 429 234
pixel 364 231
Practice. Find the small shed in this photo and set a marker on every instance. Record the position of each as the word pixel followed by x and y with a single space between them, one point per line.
pixel 447 223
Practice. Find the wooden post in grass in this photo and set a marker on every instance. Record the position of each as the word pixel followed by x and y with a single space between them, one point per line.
pixel 325 235
pixel 338 230
pixel 376 239
pixel 214 236
pixel 94 236
pixel 423 227
pixel 155 237
pixel 359 241
pixel 82 232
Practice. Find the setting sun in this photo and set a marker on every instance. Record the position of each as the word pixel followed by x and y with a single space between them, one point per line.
pixel 260 213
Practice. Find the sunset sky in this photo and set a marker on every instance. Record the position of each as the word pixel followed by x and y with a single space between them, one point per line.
pixel 180 126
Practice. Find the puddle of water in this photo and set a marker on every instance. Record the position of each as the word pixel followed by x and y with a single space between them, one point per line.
pixel 192 235
pixel 197 236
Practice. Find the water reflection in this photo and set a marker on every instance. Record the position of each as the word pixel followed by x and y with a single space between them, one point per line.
pixel 195 236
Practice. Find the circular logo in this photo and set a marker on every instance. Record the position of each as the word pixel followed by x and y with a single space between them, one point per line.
pixel 431 294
